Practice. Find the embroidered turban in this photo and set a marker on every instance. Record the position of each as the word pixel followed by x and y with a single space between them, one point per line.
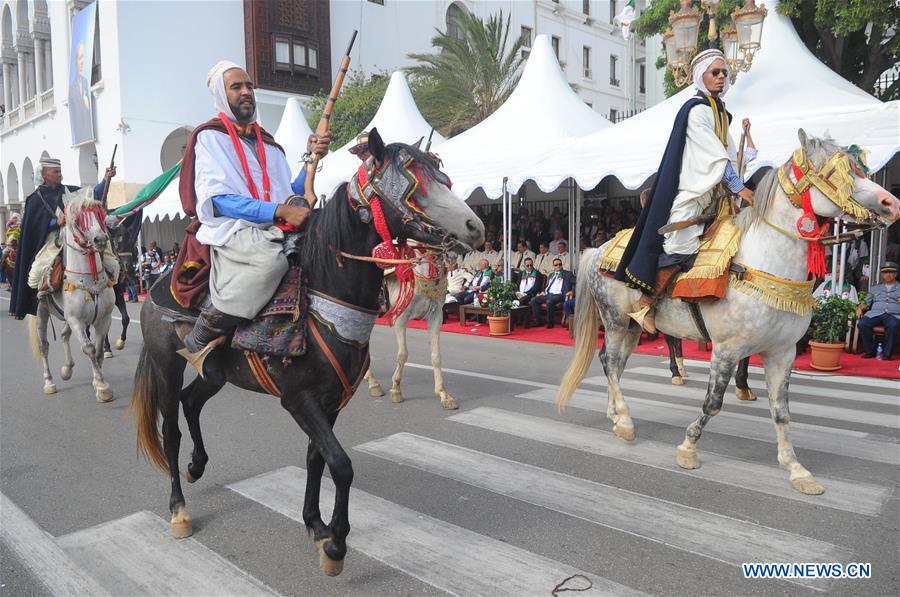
pixel 701 62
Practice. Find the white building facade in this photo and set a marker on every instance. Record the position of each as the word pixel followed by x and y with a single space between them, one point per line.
pixel 612 74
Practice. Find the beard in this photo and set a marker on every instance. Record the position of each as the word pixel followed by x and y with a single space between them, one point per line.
pixel 242 113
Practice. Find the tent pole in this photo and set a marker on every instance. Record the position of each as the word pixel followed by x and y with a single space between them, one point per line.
pixel 576 246
pixel 834 254
pixel 505 246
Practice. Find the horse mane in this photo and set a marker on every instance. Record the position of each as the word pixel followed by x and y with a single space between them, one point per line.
pixel 83 199
pixel 329 230
pixel 762 199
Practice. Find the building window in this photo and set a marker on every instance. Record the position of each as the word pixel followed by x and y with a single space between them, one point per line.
pixel 642 79
pixel 613 80
pixel 586 7
pixel 554 41
pixel 613 115
pixel 612 12
pixel 294 56
pixel 586 60
pixel 454 15
pixel 526 41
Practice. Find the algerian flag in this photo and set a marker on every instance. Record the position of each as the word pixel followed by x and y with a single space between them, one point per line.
pixel 149 193
pixel 624 18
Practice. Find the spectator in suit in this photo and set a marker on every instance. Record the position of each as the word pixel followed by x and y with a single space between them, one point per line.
pixel 882 306
pixel 564 255
pixel 490 253
pixel 457 281
pixel 543 261
pixel 557 240
pixel 517 259
pixel 560 286
pixel 480 281
pixel 530 281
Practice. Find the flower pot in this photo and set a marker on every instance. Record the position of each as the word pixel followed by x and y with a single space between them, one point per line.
pixel 826 357
pixel 499 325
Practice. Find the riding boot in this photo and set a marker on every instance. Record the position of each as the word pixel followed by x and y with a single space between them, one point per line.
pixel 644 311
pixel 211 330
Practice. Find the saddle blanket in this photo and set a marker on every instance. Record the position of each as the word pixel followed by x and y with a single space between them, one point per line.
pixel 280 328
pixel 707 280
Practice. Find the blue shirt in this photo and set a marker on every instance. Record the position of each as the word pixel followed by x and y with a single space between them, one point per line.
pixel 731 178
pixel 883 299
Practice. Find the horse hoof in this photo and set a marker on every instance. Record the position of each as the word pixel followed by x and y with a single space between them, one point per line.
pixel 807 484
pixel 747 394
pixel 120 344
pixel 687 458
pixel 624 431
pixel 396 397
pixel 677 381
pixel 66 373
pixel 181 524
pixel 188 476
pixel 108 354
pixel 50 388
pixel 104 394
pixel 376 391
pixel 449 403
pixel 326 564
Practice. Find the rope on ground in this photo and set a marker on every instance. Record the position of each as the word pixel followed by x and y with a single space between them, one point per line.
pixel 561 586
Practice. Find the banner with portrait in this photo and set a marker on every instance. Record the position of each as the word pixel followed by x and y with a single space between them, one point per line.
pixel 81 58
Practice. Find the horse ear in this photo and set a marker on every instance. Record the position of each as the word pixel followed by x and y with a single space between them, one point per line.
pixel 376 145
pixel 418 144
pixel 804 140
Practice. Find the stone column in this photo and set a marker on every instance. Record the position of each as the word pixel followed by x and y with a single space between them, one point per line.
pixel 7 86
pixel 48 64
pixel 39 65
pixel 23 91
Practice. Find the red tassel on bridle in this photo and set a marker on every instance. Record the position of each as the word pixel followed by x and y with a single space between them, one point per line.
pixel 809 228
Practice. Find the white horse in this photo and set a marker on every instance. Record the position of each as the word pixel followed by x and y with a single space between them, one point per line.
pixel 427 304
pixel 86 298
pixel 741 324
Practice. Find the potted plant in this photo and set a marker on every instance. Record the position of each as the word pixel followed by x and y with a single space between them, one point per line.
pixel 498 298
pixel 828 331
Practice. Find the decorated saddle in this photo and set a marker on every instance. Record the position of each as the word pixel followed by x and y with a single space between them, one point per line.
pixel 279 330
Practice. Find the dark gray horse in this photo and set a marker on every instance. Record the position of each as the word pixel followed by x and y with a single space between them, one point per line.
pixel 315 386
pixel 676 366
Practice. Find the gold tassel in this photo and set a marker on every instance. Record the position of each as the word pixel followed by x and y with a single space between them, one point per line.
pixel 791 296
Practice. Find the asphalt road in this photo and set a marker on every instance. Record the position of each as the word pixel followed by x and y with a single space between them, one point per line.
pixel 503 496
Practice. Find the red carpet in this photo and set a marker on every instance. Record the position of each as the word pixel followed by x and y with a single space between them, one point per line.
pixel 851 364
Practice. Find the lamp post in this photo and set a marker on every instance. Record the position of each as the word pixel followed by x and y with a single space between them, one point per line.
pixel 740 40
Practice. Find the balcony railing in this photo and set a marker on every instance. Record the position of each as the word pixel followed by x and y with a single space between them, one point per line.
pixel 33 109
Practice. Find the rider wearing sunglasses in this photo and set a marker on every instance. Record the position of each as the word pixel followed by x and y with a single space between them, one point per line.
pixel 699 165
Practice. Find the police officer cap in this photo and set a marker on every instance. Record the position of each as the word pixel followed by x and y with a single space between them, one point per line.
pixel 889 266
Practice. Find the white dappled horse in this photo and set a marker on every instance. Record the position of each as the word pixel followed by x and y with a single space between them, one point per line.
pixel 741 324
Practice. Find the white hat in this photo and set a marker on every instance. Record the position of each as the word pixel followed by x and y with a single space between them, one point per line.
pixel 701 62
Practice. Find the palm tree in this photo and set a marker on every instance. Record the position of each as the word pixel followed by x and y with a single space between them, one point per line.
pixel 470 75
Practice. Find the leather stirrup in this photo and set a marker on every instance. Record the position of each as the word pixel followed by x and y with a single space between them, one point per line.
pixel 196 359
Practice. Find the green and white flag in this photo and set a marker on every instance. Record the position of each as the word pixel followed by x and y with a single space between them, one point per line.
pixel 624 18
pixel 149 193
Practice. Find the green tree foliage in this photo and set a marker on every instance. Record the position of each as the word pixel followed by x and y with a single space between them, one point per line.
pixel 858 39
pixel 360 98
pixel 469 77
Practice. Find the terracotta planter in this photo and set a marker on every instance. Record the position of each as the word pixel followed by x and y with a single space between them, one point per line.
pixel 826 357
pixel 499 325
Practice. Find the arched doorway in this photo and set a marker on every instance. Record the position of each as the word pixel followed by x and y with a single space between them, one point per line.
pixel 173 147
pixel 12 185
pixel 455 13
pixel 27 178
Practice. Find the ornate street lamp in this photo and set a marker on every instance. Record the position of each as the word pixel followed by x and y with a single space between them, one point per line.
pixel 685 29
pixel 740 41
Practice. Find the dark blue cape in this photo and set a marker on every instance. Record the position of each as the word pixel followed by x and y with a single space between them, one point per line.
pixel 35 225
pixel 639 261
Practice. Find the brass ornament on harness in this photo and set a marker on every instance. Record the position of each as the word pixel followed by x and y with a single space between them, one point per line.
pixel 834 179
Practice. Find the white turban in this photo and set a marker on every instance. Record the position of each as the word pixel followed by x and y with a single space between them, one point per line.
pixel 215 81
pixel 699 65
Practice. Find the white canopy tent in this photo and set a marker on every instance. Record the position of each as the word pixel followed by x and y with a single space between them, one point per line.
pixel 542 111
pixel 787 88
pixel 398 120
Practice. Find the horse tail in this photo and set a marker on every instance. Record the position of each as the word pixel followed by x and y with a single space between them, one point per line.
pixel 585 331
pixel 145 405
pixel 34 338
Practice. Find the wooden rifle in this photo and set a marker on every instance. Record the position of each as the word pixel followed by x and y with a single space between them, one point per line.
pixel 308 191
pixel 428 144
pixel 106 178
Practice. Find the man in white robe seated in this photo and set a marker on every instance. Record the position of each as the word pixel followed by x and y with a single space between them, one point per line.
pixel 457 281
pixel 241 209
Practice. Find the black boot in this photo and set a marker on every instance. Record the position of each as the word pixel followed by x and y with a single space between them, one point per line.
pixel 211 330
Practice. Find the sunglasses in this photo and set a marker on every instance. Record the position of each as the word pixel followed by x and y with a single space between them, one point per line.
pixel 719 71
pixel 557 265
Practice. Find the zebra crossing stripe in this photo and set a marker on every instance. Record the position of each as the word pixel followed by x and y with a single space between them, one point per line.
pixel 41 556
pixel 136 555
pixel 664 387
pixel 451 558
pixel 855 380
pixel 826 390
pixel 682 527
pixel 849 496
pixel 833 440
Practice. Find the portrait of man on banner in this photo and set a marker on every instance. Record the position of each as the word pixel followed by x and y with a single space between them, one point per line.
pixel 80 62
